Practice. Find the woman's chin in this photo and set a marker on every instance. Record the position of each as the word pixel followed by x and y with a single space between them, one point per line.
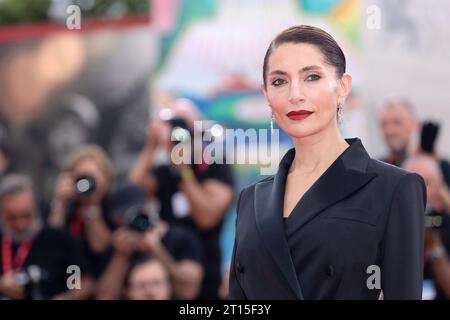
pixel 300 131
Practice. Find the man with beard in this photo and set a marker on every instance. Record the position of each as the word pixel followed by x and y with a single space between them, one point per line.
pixel 398 124
pixel 35 260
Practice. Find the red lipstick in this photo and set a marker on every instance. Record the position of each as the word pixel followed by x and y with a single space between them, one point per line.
pixel 299 114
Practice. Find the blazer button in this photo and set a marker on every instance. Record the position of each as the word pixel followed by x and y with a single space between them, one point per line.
pixel 240 268
pixel 330 270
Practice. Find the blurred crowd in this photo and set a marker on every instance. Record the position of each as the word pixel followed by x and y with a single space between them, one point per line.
pixel 412 146
pixel 155 235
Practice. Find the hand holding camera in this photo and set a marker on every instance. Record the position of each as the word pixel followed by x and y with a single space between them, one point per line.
pixel 10 288
pixel 158 134
pixel 126 241
pixel 81 188
pixel 65 191
pixel 150 232
pixel 151 239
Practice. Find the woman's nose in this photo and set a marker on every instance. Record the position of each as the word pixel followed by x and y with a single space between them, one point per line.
pixel 296 94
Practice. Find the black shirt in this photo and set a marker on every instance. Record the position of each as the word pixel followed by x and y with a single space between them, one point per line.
pixel 52 252
pixel 97 261
pixel 175 211
pixel 183 244
pixel 445 169
pixel 444 231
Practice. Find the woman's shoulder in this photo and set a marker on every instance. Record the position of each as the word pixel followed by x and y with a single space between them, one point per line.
pixel 262 180
pixel 391 173
pixel 243 194
pixel 382 167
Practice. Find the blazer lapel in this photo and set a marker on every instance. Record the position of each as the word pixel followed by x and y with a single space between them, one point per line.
pixel 269 197
pixel 344 177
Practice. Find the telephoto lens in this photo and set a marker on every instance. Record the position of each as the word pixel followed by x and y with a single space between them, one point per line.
pixel 84 185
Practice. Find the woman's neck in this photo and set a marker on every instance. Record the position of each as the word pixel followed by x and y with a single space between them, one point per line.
pixel 317 152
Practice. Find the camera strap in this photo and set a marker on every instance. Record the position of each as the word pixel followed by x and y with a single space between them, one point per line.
pixel 10 263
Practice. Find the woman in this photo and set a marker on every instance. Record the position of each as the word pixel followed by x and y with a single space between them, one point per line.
pixel 83 208
pixel 332 223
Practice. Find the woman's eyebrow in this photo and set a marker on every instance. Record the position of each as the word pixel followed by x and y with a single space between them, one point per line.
pixel 279 72
pixel 309 68
pixel 304 69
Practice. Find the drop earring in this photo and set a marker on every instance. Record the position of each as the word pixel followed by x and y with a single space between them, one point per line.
pixel 339 112
pixel 271 123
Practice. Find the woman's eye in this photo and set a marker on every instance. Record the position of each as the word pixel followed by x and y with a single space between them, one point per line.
pixel 278 82
pixel 313 77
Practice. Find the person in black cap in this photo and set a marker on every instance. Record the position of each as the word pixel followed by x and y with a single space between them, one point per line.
pixel 142 234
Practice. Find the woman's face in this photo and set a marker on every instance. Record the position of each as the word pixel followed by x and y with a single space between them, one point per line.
pixel 299 81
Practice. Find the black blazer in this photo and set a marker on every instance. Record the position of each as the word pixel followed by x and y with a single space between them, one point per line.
pixel 361 212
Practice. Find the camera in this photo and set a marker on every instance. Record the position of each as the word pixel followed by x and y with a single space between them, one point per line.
pixel 137 219
pixel 180 130
pixel 428 136
pixel 84 185
pixel 432 219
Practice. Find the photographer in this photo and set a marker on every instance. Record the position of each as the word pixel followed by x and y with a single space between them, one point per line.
pixel 34 258
pixel 80 202
pixel 195 195
pixel 437 222
pixel 177 249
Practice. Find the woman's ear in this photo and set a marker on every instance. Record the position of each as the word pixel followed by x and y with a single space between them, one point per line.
pixel 264 90
pixel 345 86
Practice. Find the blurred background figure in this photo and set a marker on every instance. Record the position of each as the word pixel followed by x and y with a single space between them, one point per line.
pixel 437 222
pixel 143 235
pixel 148 279
pixel 4 160
pixel 354 117
pixel 399 126
pixel 224 286
pixel 34 258
pixel 195 195
pixel 81 202
pixel 428 140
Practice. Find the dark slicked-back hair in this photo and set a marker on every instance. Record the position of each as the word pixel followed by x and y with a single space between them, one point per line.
pixel 308 34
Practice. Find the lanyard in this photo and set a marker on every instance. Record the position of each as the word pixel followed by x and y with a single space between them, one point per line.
pixel 76 225
pixel 10 263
